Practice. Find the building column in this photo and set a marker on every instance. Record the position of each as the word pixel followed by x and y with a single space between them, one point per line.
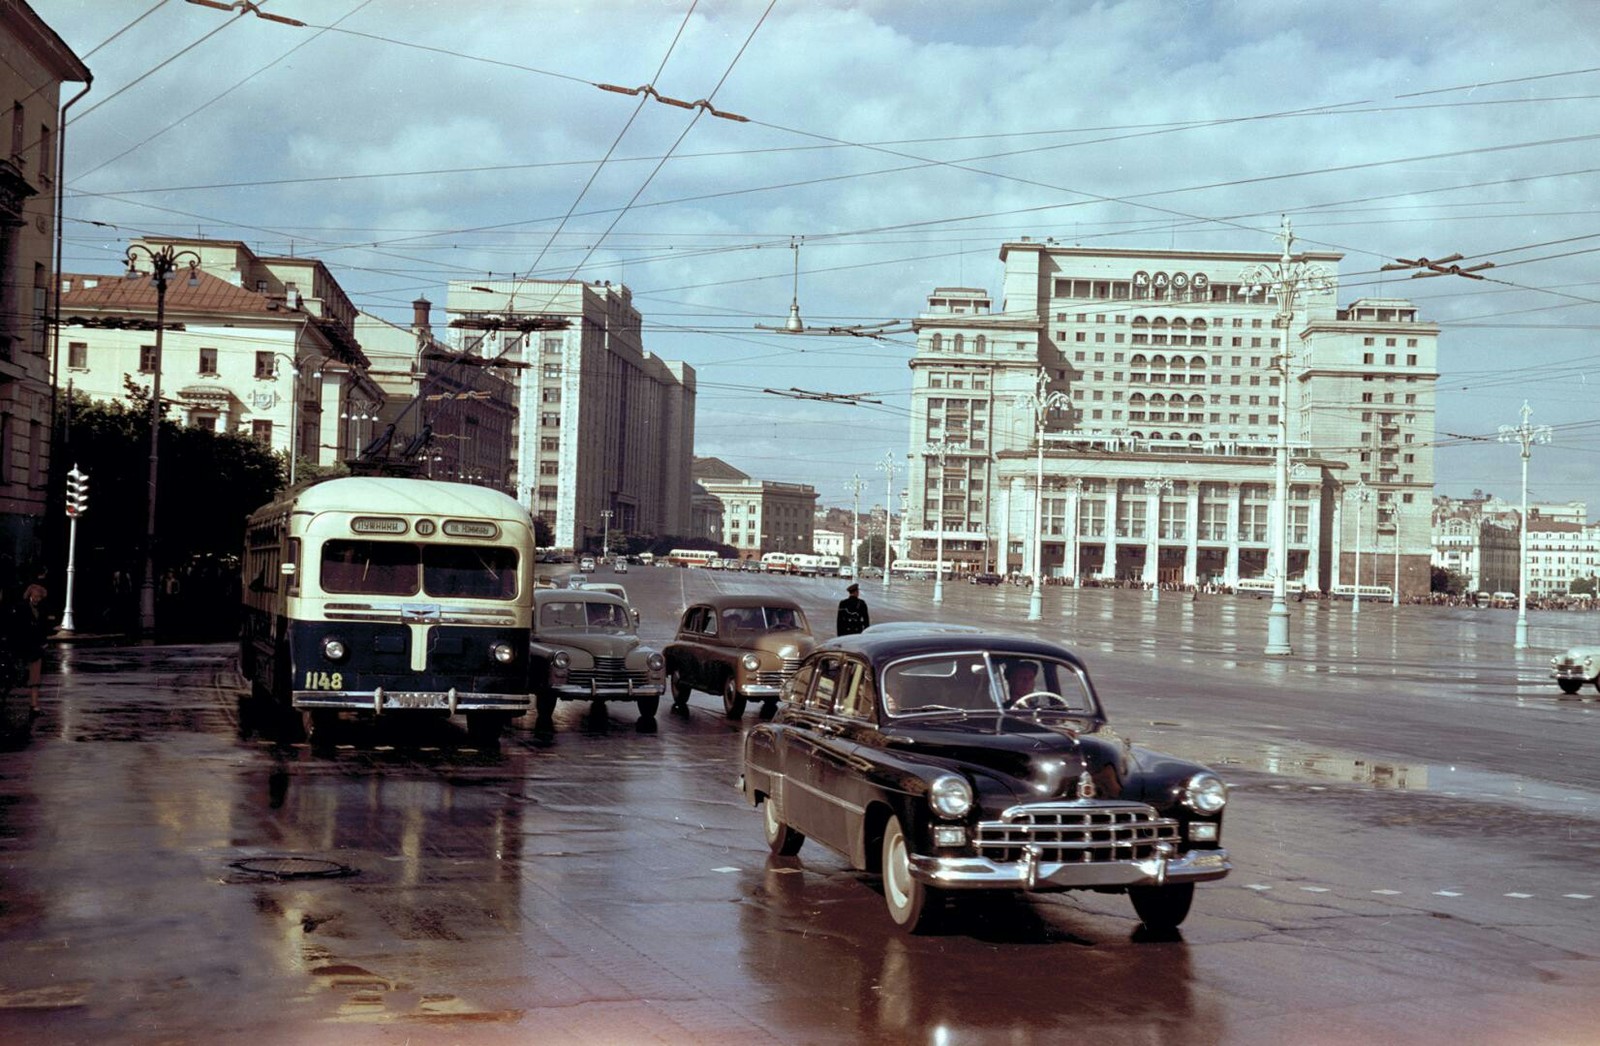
pixel 1018 490
pixel 1191 552
pixel 1313 544
pixel 1108 566
pixel 1152 540
pixel 1230 569
pixel 1338 542
pixel 1074 551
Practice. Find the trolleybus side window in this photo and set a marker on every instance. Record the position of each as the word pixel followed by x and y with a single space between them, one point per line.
pixel 384 568
pixel 454 571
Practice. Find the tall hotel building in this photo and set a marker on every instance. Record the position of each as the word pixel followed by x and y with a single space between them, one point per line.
pixel 1161 467
pixel 605 431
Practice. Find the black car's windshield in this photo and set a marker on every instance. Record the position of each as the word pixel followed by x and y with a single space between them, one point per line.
pixel 590 617
pixel 983 681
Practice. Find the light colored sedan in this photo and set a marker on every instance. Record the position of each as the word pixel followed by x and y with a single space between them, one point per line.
pixel 1576 666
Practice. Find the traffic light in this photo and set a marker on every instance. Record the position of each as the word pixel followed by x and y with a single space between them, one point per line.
pixel 77 492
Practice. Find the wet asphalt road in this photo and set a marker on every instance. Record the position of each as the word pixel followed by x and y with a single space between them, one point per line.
pixel 1415 827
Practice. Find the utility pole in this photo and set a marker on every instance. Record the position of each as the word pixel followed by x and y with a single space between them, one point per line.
pixel 940 451
pixel 855 527
pixel 1526 435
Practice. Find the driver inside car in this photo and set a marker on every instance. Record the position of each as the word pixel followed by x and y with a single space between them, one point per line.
pixel 1021 680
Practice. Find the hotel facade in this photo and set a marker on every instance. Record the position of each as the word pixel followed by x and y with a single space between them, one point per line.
pixel 1167 374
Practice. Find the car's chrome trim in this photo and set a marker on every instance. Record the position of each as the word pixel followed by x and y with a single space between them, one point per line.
pixel 380 701
pixel 1031 873
pixel 791 782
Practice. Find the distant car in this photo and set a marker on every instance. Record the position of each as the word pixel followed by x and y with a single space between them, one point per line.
pixel 742 647
pixel 619 565
pixel 846 570
pixel 985 579
pixel 871 573
pixel 586 565
pixel 585 647
pixel 951 761
pixel 577 580
pixel 611 587
pixel 1576 666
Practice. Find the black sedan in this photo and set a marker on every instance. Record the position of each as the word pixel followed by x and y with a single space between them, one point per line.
pixel 948 761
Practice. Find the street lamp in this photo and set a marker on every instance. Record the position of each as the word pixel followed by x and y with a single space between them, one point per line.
pixel 1360 494
pixel 164 261
pixel 294 408
pixel 940 451
pixel 888 467
pixel 1156 487
pixel 1075 496
pixel 1040 401
pixel 1527 435
pixel 605 539
pixel 855 527
pixel 1284 279
pixel 1395 598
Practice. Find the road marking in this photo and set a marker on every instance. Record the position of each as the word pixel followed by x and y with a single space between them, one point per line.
pixel 1314 889
pixel 1579 896
pixel 726 870
pixel 1520 896
pixel 1445 893
pixel 1257 886
pixel 1388 893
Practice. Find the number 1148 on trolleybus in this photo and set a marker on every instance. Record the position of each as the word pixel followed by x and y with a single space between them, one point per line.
pixel 388 596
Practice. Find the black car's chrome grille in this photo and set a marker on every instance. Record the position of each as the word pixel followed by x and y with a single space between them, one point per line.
pixel 607 671
pixel 791 665
pixel 1090 832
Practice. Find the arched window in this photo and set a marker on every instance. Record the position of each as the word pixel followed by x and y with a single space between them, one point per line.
pixel 1138 360
pixel 937 345
pixel 1198 323
pixel 1197 400
pixel 1160 321
pixel 1194 437
pixel 1197 361
pixel 1180 324
pixel 1137 397
pixel 982 343
pixel 1178 363
pixel 1136 434
pixel 1175 436
pixel 1140 321
pixel 960 344
pixel 1156 397
pixel 1158 361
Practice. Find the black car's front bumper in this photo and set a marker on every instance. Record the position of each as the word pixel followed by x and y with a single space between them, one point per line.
pixel 1032 873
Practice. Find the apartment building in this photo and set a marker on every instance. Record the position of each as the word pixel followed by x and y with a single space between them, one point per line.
pixel 36 64
pixel 259 346
pixel 604 426
pixel 1167 376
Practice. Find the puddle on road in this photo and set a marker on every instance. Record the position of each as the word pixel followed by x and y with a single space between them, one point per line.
pixel 1319 766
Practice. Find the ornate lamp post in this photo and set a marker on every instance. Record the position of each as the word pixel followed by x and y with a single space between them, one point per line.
pixel 940 451
pixel 1075 496
pixel 1040 402
pixel 1527 435
pixel 605 538
pixel 888 466
pixel 1360 494
pixel 1286 279
pixel 855 527
pixel 1156 487
pixel 164 261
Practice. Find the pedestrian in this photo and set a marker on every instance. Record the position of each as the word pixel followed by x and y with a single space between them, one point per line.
pixel 34 625
pixel 853 616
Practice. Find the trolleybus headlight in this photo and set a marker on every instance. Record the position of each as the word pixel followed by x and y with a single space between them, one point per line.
pixel 333 649
pixel 751 662
pixel 1205 793
pixel 502 653
pixel 950 795
pixel 656 663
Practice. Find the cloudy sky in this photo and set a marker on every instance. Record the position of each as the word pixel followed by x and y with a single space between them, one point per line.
pixel 410 142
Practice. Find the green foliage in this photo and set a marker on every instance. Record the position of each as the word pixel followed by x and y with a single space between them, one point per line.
pixel 1584 585
pixel 208 483
pixel 1449 581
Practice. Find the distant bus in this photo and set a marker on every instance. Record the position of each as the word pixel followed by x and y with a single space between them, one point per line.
pixel 829 567
pixel 1367 592
pixel 690 557
pixel 1291 586
pixel 918 567
pixel 776 563
pixel 805 564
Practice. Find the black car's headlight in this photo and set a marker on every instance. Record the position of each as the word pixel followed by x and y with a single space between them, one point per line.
pixel 1205 793
pixel 950 795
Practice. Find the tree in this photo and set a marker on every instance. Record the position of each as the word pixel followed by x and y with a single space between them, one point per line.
pixel 1584 585
pixel 209 483
pixel 872 550
pixel 1448 581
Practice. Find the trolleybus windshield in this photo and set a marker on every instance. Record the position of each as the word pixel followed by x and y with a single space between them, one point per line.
pixel 397 568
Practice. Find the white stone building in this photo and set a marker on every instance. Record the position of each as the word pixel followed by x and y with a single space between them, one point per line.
pixel 1161 468
pixel 759 515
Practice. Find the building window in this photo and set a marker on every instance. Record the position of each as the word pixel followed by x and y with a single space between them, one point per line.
pixel 264 367
pixel 208 360
pixel 550 346
pixel 261 432
pixel 147 359
pixel 78 355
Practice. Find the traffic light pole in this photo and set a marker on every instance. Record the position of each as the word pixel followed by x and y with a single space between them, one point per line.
pixel 77 503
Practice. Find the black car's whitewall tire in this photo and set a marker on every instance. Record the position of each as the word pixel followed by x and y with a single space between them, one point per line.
pixel 781 839
pixel 907 899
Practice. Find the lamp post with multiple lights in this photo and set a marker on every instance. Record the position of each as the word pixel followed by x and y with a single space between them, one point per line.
pixel 1360 494
pixel 605 534
pixel 855 527
pixel 1526 435
pixel 888 466
pixel 1286 279
pixel 1040 402
pixel 164 261
pixel 940 451
pixel 1156 488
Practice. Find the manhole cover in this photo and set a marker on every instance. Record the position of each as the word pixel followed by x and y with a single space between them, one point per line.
pixel 293 868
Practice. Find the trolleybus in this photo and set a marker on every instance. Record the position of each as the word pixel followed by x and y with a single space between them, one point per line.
pixel 389 596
